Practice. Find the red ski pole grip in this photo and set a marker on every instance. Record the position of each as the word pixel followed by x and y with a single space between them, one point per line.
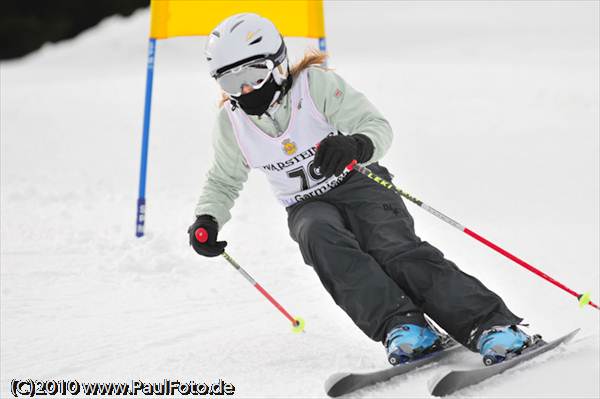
pixel 351 165
pixel 201 235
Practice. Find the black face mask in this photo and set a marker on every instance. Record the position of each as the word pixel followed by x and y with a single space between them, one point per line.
pixel 257 101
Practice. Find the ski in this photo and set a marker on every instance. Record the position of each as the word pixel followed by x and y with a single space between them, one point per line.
pixel 343 383
pixel 459 379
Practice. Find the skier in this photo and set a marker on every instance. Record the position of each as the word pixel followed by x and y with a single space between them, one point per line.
pixel 358 236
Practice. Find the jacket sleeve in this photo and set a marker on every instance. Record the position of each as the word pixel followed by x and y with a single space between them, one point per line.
pixel 348 110
pixel 226 176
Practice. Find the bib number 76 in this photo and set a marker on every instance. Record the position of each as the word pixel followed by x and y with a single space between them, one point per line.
pixel 307 176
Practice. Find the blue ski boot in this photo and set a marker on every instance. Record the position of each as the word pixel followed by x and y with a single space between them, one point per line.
pixel 499 343
pixel 409 342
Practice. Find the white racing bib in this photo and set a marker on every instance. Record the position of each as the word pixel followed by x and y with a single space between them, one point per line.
pixel 287 160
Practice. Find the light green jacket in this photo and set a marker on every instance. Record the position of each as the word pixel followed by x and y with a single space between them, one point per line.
pixel 345 108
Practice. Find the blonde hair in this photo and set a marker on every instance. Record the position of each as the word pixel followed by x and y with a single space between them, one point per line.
pixel 312 57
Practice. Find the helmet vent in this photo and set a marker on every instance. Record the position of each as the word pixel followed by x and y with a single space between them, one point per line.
pixel 257 40
pixel 236 25
pixel 216 33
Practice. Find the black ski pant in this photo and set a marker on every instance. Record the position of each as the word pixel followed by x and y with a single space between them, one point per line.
pixel 360 239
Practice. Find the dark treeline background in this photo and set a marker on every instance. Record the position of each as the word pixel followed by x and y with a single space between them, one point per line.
pixel 25 25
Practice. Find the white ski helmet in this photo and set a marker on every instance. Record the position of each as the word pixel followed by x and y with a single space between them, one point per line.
pixel 241 38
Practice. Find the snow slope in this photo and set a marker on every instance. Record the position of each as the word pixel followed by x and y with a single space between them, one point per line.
pixel 495 112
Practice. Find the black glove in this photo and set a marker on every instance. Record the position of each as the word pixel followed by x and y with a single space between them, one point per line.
pixel 203 236
pixel 336 152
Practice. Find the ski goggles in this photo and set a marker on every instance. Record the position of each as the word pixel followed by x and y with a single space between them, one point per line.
pixel 253 74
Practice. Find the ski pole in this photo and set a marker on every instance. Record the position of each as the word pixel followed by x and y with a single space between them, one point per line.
pixel 297 322
pixel 584 299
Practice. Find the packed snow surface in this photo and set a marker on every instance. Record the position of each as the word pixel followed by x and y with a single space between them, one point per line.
pixel 495 112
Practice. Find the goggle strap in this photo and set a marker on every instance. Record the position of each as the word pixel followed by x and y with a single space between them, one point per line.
pixel 277 59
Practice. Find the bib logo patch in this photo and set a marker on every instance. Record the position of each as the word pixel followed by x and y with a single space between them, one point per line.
pixel 289 147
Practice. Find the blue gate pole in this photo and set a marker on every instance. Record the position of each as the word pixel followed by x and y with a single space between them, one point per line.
pixel 323 47
pixel 141 202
